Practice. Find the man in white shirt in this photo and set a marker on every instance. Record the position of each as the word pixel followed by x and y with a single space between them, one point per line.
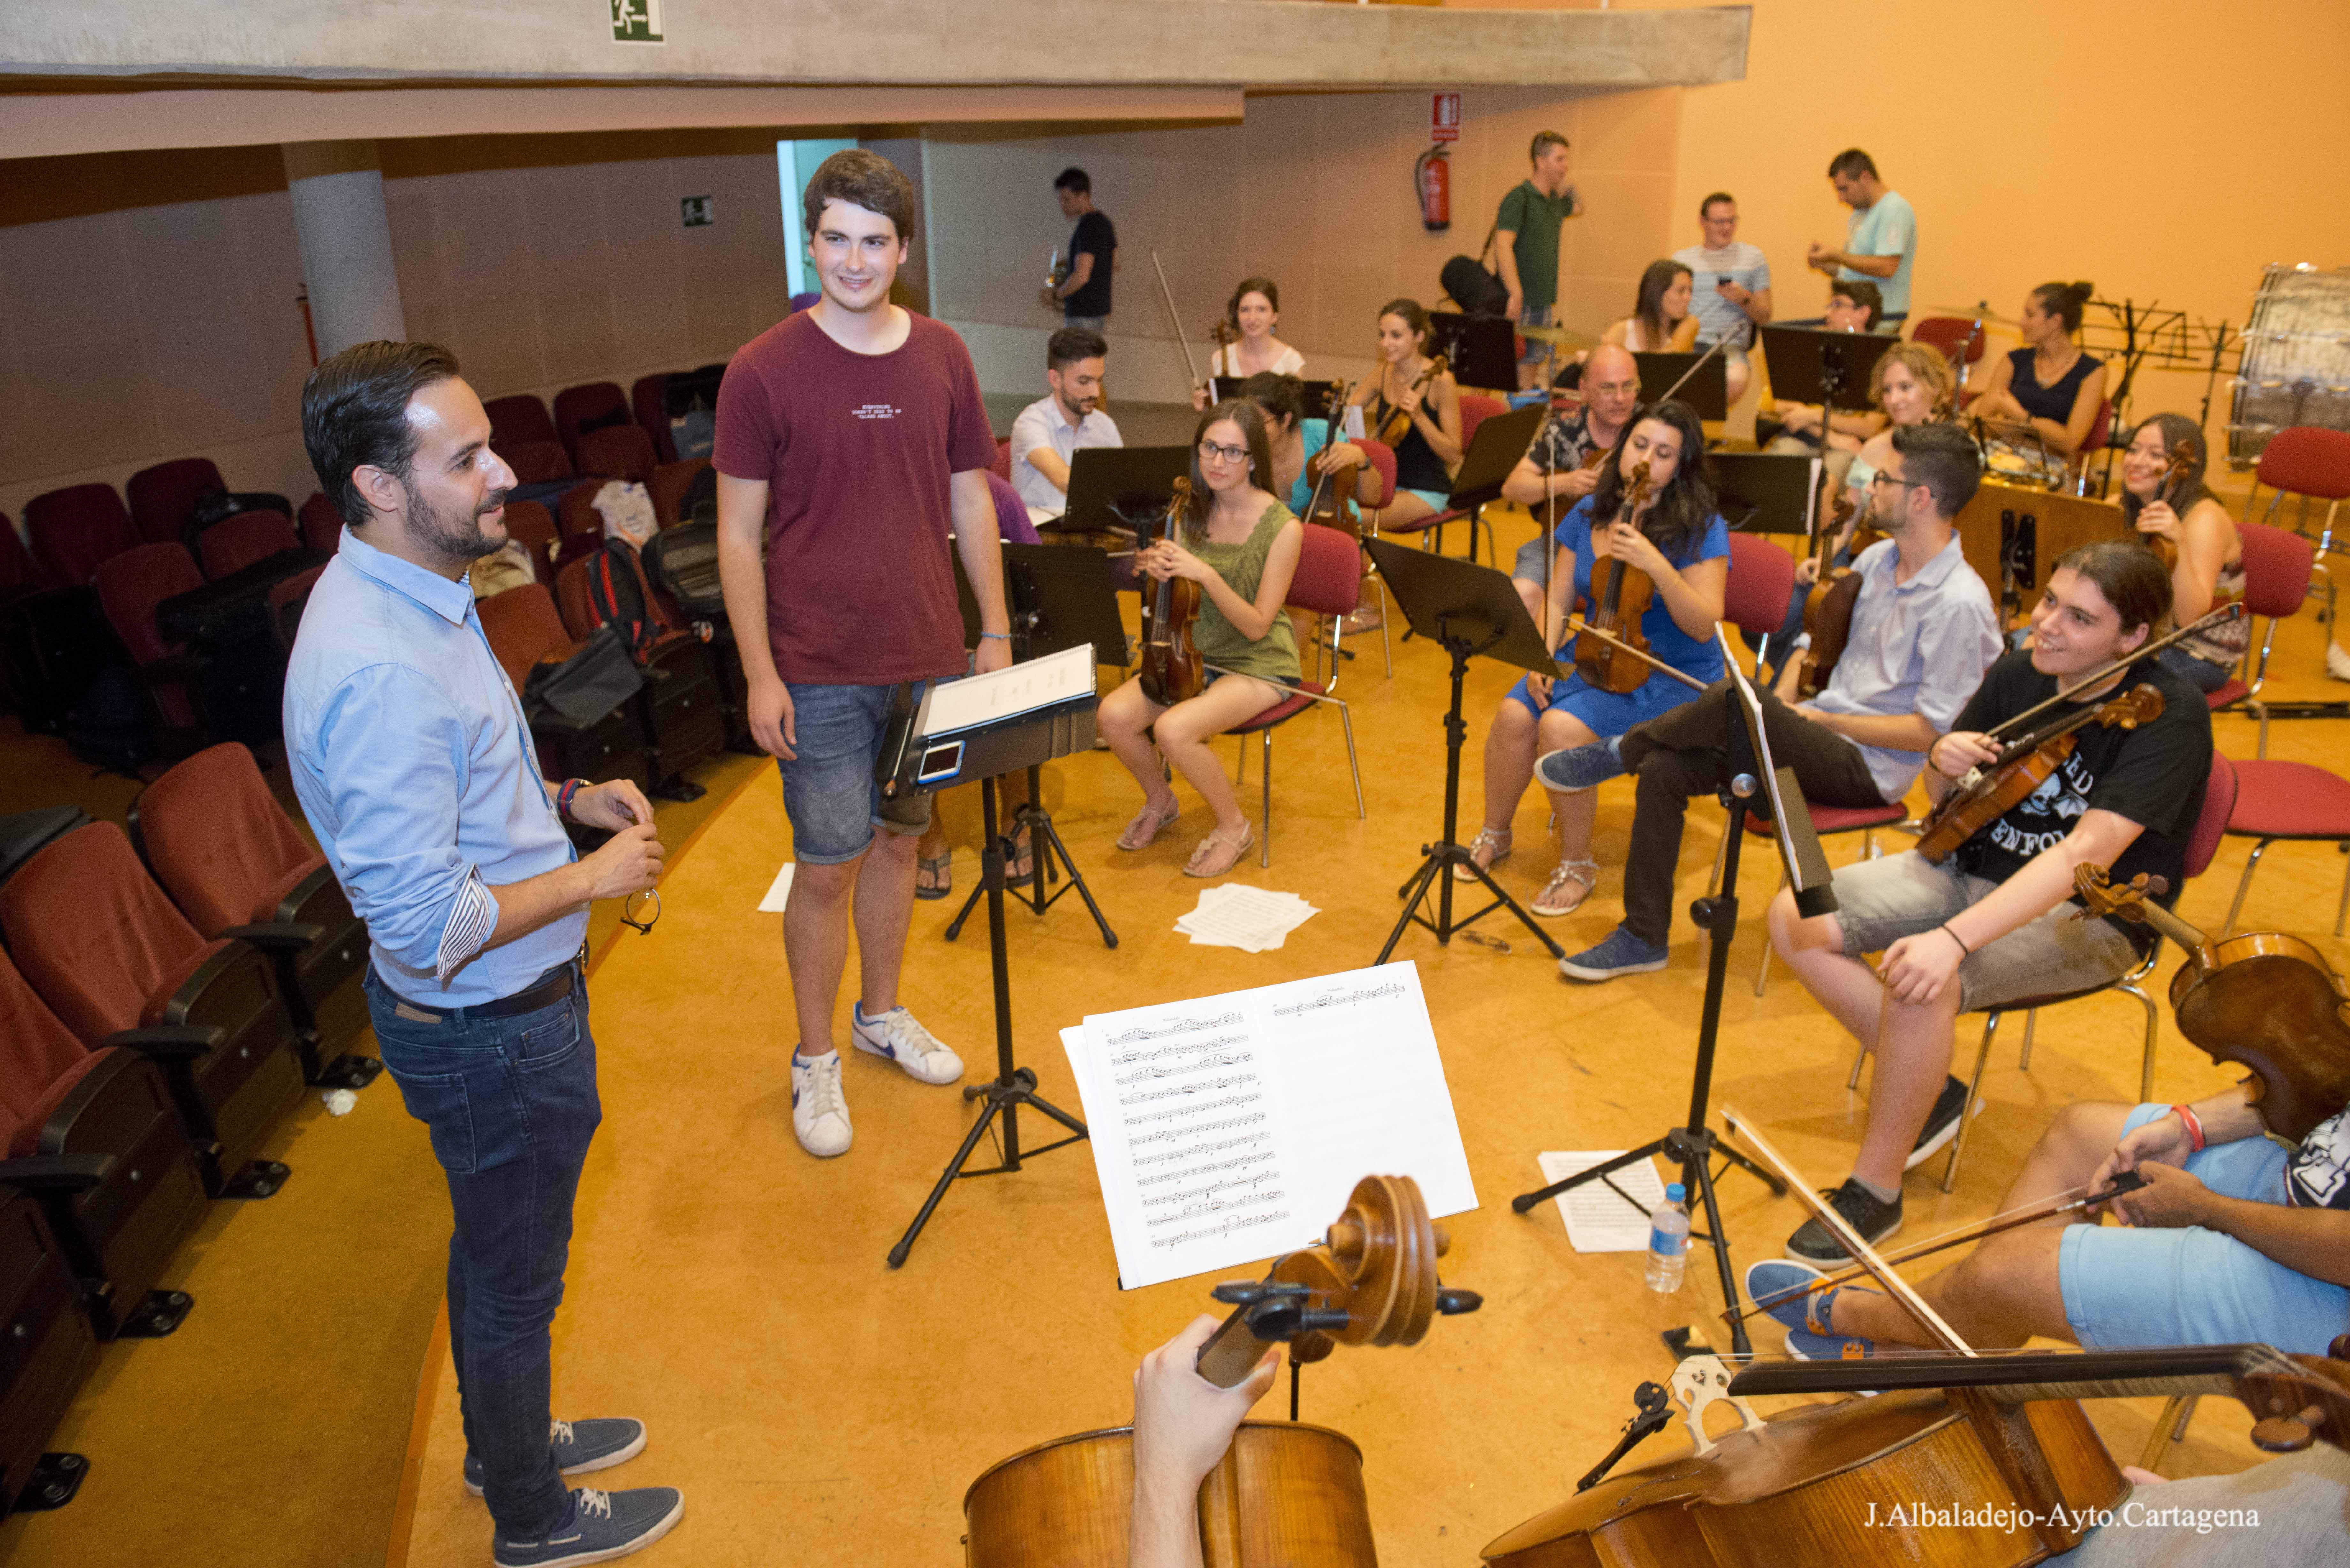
pixel 1729 287
pixel 1050 431
pixel 1880 240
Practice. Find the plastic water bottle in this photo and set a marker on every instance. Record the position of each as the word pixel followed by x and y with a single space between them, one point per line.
pixel 1668 1241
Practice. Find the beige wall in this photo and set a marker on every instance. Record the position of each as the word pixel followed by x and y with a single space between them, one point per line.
pixel 1312 189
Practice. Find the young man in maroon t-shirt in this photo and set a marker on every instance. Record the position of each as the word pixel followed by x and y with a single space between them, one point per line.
pixel 850 441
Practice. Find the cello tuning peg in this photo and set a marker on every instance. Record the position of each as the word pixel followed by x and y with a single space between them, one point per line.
pixel 1323 1320
pixel 1345 1241
pixel 1454 1302
pixel 1239 1292
pixel 1444 1239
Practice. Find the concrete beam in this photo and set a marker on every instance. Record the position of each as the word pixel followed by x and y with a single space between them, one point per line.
pixel 1229 43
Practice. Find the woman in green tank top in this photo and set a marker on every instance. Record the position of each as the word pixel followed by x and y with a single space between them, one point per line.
pixel 1240 544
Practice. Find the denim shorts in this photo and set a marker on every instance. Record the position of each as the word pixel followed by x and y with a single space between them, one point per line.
pixel 1881 901
pixel 1537 349
pixel 2124 1285
pixel 829 793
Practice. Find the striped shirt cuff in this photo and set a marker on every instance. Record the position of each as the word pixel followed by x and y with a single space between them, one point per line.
pixel 472 918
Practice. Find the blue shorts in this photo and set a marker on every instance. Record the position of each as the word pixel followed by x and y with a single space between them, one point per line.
pixel 829 793
pixel 2125 1286
pixel 1437 500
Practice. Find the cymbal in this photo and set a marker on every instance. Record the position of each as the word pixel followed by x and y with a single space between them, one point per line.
pixel 1971 312
pixel 1561 336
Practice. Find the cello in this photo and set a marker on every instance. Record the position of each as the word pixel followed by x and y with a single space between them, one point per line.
pixel 1616 607
pixel 1172 670
pixel 1827 608
pixel 1286 1495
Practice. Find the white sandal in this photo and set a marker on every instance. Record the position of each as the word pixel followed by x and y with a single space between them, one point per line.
pixel 1488 849
pixel 1553 900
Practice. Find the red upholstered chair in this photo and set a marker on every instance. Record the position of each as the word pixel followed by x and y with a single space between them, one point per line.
pixel 18 571
pixel 238 541
pixel 2313 464
pixel 288 598
pixel 667 485
pixel 2277 568
pixel 649 405
pixel 1329 583
pixel 106 949
pixel 2220 801
pixel 2278 800
pixel 1382 460
pixel 618 451
pixel 524 630
pixel 517 419
pixel 531 524
pixel 523 627
pixel 680 708
pixel 2101 429
pixel 108 1110
pixel 53 1347
pixel 536 462
pixel 596 405
pixel 1960 339
pixel 163 498
pixel 1002 465
pixel 1475 410
pixel 129 588
pixel 74 529
pixel 321 525
pixel 576 515
pixel 237 866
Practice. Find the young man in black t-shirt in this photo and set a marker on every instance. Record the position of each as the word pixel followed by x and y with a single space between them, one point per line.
pixel 1081 288
pixel 1992 922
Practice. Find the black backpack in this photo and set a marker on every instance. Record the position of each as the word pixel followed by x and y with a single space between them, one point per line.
pixel 616 594
pixel 111 725
pixel 1472 286
pixel 684 561
pixel 699 501
pixel 598 677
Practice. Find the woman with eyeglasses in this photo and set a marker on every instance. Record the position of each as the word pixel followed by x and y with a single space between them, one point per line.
pixel 1240 543
pixel 1429 448
pixel 1682 544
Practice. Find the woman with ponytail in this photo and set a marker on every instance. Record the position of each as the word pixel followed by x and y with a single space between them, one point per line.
pixel 2049 386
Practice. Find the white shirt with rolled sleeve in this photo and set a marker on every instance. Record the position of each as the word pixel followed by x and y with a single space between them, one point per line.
pixel 1041 423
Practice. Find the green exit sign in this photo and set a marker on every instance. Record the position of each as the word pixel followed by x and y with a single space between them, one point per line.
pixel 699 211
pixel 636 21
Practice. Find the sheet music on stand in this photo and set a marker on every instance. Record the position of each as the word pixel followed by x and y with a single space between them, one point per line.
pixel 1228 1129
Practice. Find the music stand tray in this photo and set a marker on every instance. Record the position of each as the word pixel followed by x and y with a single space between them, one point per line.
pixel 1811 365
pixel 1707 391
pixel 1110 486
pixel 1467 610
pixel 1766 493
pixel 1482 350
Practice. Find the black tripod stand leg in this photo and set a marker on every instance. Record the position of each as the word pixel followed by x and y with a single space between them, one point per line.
pixel 1029 1096
pixel 954 926
pixel 995 1102
pixel 1525 919
pixel 1739 1344
pixel 1046 840
pixel 1769 1179
pixel 1413 892
pixel 1525 1201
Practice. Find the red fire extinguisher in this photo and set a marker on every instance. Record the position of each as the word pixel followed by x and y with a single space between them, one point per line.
pixel 1433 178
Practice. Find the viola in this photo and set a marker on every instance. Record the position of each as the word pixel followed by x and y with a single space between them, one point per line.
pixel 2167 490
pixel 2266 1000
pixel 1989 793
pixel 1285 1492
pixel 1172 669
pixel 1332 503
pixel 1398 422
pixel 1827 608
pixel 1620 597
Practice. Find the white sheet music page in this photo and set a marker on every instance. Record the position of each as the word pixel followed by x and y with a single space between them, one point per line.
pixel 1230 1129
pixel 1006 693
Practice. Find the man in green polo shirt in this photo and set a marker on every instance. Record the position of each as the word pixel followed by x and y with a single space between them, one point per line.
pixel 1526 233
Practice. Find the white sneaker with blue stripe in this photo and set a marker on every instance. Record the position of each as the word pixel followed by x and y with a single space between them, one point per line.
pixel 896 1035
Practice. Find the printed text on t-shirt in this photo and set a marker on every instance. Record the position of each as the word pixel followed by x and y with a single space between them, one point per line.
pixel 875 411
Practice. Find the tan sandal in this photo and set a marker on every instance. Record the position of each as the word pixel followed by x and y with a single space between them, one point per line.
pixel 1218 854
pixel 1558 896
pixel 1488 849
pixel 1148 825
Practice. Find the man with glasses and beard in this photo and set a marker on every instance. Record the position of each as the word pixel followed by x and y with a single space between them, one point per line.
pixel 408 752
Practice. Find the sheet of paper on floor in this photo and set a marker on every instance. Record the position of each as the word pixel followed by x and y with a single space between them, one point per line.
pixel 778 890
pixel 1597 1218
pixel 1229 1130
pixel 1253 919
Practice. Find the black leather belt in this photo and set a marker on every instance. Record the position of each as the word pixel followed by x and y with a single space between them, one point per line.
pixel 550 988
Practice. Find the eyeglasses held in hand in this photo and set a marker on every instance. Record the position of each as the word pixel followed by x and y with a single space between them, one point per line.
pixel 631 907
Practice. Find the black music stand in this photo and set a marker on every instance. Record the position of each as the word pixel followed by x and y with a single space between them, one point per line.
pixel 1764 492
pixel 932 762
pixel 1707 391
pixel 1320 396
pixel 1060 597
pixel 1112 486
pixel 1812 365
pixel 1493 454
pixel 1481 350
pixel 1748 776
pixel 1468 610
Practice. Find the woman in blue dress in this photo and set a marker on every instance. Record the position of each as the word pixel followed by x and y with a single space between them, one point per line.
pixel 1681 542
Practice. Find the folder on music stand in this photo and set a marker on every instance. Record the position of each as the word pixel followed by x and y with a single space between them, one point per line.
pixel 1707 391
pixel 1766 493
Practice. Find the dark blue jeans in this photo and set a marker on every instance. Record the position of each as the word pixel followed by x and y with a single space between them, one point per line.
pixel 511 1105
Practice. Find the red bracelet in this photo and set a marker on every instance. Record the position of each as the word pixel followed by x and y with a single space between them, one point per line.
pixel 2186 1113
pixel 563 796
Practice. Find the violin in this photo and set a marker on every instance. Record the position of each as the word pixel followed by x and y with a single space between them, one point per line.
pixel 1172 670
pixel 1221 336
pixel 1285 1492
pixel 2167 491
pixel 2263 1000
pixel 1827 608
pixel 1987 794
pixel 1398 422
pixel 1332 503
pixel 1618 601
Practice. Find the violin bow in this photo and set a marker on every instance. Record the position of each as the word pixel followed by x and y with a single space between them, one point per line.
pixel 1720 344
pixel 1175 318
pixel 1577 625
pixel 2048 1208
pixel 1860 1251
pixel 2227 612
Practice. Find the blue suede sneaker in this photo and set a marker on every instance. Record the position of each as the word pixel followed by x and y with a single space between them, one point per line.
pixel 1810 1313
pixel 1581 767
pixel 1621 953
pixel 580 1447
pixel 603 1525
pixel 1802 1344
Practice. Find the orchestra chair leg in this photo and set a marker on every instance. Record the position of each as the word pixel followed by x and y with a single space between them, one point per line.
pixel 1346 719
pixel 1240 764
pixel 2153 1032
pixel 2245 886
pixel 2343 908
pixel 1967 1111
pixel 1859 1056
pixel 2023 1058
pixel 1265 856
pixel 2170 1427
pixel 1762 969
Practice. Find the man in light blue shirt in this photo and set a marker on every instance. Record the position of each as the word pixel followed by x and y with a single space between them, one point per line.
pixel 1881 239
pixel 1053 429
pixel 410 757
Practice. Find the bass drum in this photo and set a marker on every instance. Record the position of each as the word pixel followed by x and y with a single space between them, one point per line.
pixel 2295 366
